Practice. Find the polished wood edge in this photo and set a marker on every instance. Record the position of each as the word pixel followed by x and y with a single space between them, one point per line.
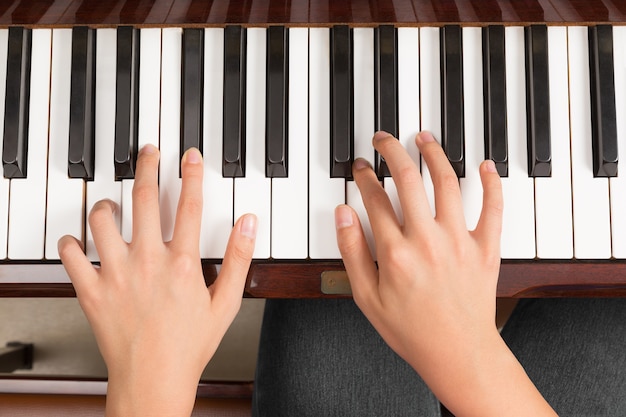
pixel 150 13
pixel 225 389
pixel 64 385
pixel 518 279
pixel 303 279
pixel 578 278
pixel 319 24
pixel 15 290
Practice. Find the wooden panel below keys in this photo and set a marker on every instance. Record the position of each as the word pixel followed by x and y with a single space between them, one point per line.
pixel 518 279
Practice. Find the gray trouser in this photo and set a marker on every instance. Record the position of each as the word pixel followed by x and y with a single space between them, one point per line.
pixel 323 358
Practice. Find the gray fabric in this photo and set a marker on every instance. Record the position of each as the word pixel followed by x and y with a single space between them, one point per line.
pixel 323 358
pixel 574 350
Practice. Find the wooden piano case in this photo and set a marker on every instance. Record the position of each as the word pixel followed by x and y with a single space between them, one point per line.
pixel 284 279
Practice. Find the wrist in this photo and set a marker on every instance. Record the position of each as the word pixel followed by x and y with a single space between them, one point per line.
pixel 151 390
pixel 483 378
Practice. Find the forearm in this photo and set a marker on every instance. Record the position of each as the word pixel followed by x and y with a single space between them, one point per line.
pixel 484 380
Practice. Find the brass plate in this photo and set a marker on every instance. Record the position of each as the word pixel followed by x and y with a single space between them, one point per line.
pixel 336 282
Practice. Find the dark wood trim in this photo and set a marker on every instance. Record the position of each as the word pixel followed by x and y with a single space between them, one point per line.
pixel 60 13
pixel 67 385
pixel 300 279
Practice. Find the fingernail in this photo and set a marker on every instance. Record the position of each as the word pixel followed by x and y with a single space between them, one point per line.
pixel 343 217
pixel 114 206
pixel 425 137
pixel 248 226
pixel 148 149
pixel 490 166
pixel 193 156
pixel 381 134
pixel 361 163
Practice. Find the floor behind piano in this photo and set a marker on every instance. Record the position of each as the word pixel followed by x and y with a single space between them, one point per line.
pixel 64 343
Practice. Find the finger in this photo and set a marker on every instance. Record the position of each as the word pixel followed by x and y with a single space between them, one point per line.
pixel 146 218
pixel 489 227
pixel 356 256
pixel 448 202
pixel 78 268
pixel 380 212
pixel 189 213
pixel 407 178
pixel 105 230
pixel 227 289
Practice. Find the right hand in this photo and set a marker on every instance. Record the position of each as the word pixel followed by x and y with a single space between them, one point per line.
pixel 432 297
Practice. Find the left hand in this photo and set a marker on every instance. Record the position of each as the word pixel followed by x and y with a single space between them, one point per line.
pixel 156 322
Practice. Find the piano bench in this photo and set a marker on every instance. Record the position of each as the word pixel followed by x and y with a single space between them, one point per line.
pixel 66 405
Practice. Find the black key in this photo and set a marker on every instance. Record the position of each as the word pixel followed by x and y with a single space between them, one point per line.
pixel 126 102
pixel 234 143
pixel 452 124
pixel 538 101
pixel 276 108
pixel 494 92
pixel 341 102
pixel 386 87
pixel 15 147
pixel 192 89
pixel 82 104
pixel 603 116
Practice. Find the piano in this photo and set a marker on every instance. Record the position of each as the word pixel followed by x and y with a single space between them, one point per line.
pixel 282 95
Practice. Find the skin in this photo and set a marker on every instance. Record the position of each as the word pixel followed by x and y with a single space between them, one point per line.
pixel 156 323
pixel 432 297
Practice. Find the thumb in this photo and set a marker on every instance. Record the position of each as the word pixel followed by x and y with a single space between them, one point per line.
pixel 356 255
pixel 228 287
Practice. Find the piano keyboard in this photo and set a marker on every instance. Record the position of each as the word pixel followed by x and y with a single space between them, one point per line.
pixel 280 113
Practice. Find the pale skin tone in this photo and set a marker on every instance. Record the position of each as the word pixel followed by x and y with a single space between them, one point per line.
pixel 432 297
pixel 156 323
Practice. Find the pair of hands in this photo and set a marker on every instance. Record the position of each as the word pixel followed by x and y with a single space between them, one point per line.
pixel 432 297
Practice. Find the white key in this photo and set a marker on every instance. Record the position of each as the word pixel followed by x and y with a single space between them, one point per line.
pixel 408 104
pixel 104 184
pixel 471 187
pixel 553 195
pixel 430 88
pixel 325 193
pixel 148 128
pixel 149 85
pixel 290 197
pixel 363 76
pixel 169 179
pixel 4 183
pixel 217 214
pixel 592 231
pixel 253 192
pixel 66 200
pixel 27 207
pixel 518 220
pixel 618 184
